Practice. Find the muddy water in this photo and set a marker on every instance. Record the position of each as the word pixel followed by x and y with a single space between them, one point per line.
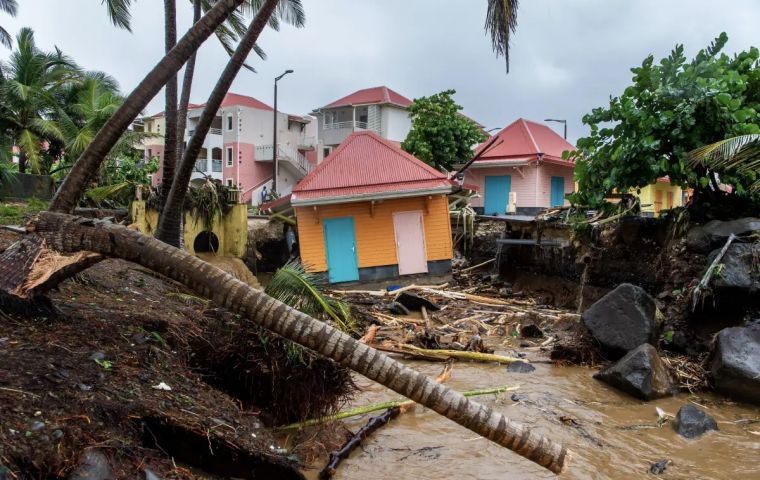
pixel 610 434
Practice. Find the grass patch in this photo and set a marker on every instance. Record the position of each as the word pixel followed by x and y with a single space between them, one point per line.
pixel 18 213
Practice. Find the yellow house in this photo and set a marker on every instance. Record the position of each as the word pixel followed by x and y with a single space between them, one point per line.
pixel 661 195
pixel 372 211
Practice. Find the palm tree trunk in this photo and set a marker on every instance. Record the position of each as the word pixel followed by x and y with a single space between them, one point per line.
pixel 187 85
pixel 87 165
pixel 170 110
pixel 169 221
pixel 67 233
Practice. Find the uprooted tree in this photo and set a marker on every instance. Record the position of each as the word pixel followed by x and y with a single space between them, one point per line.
pixel 671 108
pixel 58 244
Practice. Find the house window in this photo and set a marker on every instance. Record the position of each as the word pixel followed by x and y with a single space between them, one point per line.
pixel 326 151
pixel 229 156
pixel 158 128
pixel 216 159
pixel 229 122
pixel 150 154
pixel 229 182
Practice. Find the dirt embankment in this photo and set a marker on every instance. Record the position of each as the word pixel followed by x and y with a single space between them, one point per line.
pixel 134 367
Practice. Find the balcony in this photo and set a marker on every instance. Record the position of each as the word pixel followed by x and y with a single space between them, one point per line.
pixel 355 125
pixel 287 155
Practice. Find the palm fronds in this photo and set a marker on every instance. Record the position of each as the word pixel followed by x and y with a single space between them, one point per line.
pixel 99 194
pixel 118 12
pixel 740 154
pixel 501 22
pixel 10 7
pixel 302 290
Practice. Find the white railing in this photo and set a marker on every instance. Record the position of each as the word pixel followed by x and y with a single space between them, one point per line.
pixel 286 154
pixel 339 125
pixel 211 131
pixel 307 141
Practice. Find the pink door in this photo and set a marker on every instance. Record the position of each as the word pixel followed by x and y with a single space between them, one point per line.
pixel 410 242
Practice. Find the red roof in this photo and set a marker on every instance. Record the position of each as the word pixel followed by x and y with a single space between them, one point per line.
pixel 366 166
pixel 230 100
pixel 525 140
pixel 368 96
pixel 190 106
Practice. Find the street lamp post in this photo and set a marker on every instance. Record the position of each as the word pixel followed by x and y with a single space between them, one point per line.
pixel 558 121
pixel 274 136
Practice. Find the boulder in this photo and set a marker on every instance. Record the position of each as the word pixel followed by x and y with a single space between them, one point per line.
pixel 713 234
pixel 398 309
pixel 520 367
pixel 735 363
pixel 640 373
pixel 622 320
pixel 93 465
pixel 415 302
pixel 738 276
pixel 691 422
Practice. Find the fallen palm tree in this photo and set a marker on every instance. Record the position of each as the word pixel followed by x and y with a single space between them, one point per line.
pixel 68 234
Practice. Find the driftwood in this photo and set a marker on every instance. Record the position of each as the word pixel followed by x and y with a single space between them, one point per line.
pixel 458 354
pixel 374 424
pixel 703 285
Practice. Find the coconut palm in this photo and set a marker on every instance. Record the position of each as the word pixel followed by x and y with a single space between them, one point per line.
pixel 32 81
pixel 501 22
pixel 118 12
pixel 739 154
pixel 84 169
pixel 10 7
pixel 171 216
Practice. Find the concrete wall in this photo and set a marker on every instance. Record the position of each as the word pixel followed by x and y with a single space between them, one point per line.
pixel 660 196
pixel 29 186
pixel 375 235
pixel 231 230
pixel 395 123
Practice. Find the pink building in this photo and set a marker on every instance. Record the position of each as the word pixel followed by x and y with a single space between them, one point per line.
pixel 523 159
pixel 238 149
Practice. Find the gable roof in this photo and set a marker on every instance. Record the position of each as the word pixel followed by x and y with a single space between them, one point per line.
pixel 229 100
pixel 524 140
pixel 371 96
pixel 368 167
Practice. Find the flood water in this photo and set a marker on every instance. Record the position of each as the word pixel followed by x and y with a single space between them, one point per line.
pixel 610 434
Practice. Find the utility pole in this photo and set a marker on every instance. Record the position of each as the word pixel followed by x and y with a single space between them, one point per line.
pixel 558 121
pixel 274 136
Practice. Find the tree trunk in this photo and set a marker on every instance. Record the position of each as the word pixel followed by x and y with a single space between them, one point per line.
pixel 169 222
pixel 87 165
pixel 67 233
pixel 187 84
pixel 170 109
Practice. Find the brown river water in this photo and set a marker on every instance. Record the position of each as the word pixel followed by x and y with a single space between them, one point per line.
pixel 610 434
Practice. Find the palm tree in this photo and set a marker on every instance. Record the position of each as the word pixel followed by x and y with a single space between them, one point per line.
pixel 171 217
pixel 170 97
pixel 187 85
pixel 84 169
pixel 10 7
pixel 501 23
pixel 118 12
pixel 66 233
pixel 739 154
pixel 32 81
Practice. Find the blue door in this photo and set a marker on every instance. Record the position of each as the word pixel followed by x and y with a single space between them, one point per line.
pixel 340 244
pixel 558 192
pixel 497 194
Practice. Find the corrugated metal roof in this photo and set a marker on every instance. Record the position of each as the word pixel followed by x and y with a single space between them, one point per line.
pixel 366 164
pixel 230 100
pixel 374 95
pixel 526 138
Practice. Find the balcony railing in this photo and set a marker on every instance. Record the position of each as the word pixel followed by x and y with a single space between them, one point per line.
pixel 284 154
pixel 216 166
pixel 349 124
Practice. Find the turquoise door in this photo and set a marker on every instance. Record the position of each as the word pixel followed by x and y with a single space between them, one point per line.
pixel 558 192
pixel 497 194
pixel 340 244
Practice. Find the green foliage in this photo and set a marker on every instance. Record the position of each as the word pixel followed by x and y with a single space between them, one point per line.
pixel 671 108
pixel 302 290
pixel 120 178
pixel 739 155
pixel 441 136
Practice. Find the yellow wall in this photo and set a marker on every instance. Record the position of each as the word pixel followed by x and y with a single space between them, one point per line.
pixel 650 201
pixel 375 236
pixel 232 230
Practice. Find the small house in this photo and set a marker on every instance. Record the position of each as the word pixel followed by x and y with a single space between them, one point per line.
pixel 660 195
pixel 372 212
pixel 521 170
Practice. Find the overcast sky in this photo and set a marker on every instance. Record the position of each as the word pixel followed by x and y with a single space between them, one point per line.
pixel 567 57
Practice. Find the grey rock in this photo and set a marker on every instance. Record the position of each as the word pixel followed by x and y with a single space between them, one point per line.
pixel 622 320
pixel 738 275
pixel 57 434
pixel 97 356
pixel 93 465
pixel 713 234
pixel 692 422
pixel 520 367
pixel 37 426
pixel 150 475
pixel 735 363
pixel 640 373
pixel 659 467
